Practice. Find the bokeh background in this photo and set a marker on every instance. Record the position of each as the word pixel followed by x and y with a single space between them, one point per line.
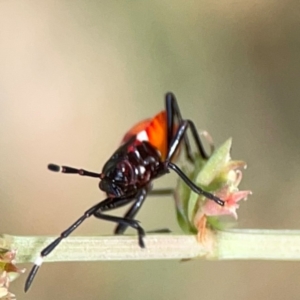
pixel 74 75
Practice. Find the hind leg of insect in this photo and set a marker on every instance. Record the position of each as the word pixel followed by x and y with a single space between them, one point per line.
pixel 105 205
pixel 133 210
pixel 173 112
pixel 181 131
pixel 161 192
pixel 127 220
pixel 136 206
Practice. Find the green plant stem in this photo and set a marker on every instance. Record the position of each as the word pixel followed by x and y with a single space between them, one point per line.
pixel 237 244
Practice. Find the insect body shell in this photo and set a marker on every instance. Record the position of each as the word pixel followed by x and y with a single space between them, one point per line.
pixel 139 158
pixel 153 131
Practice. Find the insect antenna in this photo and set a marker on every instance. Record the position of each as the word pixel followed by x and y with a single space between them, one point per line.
pixel 71 170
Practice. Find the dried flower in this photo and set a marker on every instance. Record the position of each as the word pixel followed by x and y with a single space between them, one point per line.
pixel 8 272
pixel 219 175
pixel 4 284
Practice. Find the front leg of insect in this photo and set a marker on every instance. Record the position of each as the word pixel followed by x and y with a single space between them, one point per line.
pixel 105 205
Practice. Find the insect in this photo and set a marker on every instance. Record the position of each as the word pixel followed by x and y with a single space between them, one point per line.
pixel 147 152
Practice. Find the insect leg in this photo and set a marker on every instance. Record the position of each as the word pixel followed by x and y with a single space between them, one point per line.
pixel 105 204
pixel 161 192
pixel 134 209
pixel 127 220
pixel 194 187
pixel 172 150
pixel 173 111
pixel 55 243
pixel 130 214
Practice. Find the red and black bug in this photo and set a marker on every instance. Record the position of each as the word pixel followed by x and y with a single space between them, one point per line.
pixel 147 152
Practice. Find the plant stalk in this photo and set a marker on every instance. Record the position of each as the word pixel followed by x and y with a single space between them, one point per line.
pixel 246 244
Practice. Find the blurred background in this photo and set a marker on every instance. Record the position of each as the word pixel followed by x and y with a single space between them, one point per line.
pixel 74 75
